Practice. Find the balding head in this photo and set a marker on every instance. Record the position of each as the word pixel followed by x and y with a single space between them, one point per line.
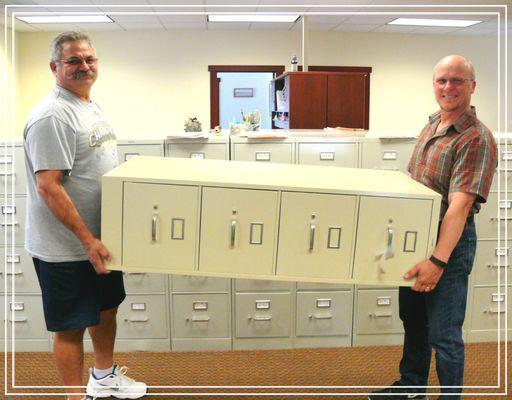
pixel 457 62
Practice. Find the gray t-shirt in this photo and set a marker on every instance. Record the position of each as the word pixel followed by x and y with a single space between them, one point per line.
pixel 65 133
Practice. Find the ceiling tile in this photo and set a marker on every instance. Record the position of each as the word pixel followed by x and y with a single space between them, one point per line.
pixel 272 26
pixel 369 19
pixel 185 26
pixel 396 29
pixel 134 18
pixel 55 27
pixel 141 26
pixel 170 19
pixel 211 26
pixel 356 28
pixel 99 27
pixel 434 30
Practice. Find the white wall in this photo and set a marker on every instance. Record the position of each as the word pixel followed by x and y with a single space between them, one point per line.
pixel 7 80
pixel 150 82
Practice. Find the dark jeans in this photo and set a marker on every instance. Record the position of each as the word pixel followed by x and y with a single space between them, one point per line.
pixel 434 321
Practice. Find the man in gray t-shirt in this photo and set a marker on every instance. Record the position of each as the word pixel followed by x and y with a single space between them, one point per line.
pixel 69 145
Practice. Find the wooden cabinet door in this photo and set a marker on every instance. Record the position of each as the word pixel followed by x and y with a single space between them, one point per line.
pixel 347 100
pixel 308 101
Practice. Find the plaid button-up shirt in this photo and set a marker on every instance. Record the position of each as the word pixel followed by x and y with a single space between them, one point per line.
pixel 459 158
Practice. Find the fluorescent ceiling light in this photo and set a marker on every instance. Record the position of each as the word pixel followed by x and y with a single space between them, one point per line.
pixel 64 19
pixel 252 18
pixel 456 23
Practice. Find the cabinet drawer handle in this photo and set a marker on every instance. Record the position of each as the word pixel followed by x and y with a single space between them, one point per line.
pixel 135 273
pixel 17 320
pixel 7 174
pixel 140 319
pixel 10 223
pixel 501 219
pixel 389 168
pixel 321 316
pixel 233 233
pixel 495 311
pixel 312 228
pixel 154 221
pixel 262 318
pixel 381 314
pixel 200 319
pixel 497 266
pixel 15 272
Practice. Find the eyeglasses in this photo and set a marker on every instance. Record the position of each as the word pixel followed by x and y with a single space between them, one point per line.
pixel 76 61
pixel 453 81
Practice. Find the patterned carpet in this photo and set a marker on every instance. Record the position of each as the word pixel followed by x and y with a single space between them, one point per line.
pixel 167 373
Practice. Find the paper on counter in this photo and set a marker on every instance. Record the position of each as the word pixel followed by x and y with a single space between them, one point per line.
pixel 189 135
pixel 265 135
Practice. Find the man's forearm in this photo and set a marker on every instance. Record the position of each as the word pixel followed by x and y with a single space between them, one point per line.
pixel 61 205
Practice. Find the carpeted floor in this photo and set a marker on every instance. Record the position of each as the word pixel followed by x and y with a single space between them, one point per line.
pixel 355 366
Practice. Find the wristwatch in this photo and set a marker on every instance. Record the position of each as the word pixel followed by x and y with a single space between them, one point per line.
pixel 438 262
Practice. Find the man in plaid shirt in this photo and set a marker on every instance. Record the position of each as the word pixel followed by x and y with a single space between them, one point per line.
pixel 456 156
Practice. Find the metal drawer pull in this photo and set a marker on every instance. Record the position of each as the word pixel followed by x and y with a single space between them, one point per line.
pixel 321 316
pixel 200 319
pixel 381 314
pixel 497 266
pixel 154 221
pixel 495 311
pixel 139 319
pixel 135 273
pixel 10 223
pixel 389 168
pixel 17 320
pixel 15 272
pixel 233 230
pixel 312 228
pixel 262 318
pixel 8 173
pixel 388 252
pixel 501 219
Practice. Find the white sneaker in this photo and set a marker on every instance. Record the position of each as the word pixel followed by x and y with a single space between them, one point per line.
pixel 115 384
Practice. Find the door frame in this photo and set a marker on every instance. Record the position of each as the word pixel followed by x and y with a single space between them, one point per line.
pixel 214 83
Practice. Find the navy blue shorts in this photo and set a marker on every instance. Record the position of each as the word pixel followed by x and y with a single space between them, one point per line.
pixel 74 294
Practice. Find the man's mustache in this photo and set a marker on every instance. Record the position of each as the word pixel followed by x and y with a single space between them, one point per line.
pixel 78 74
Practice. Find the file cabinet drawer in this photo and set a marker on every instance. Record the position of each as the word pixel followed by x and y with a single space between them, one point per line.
pixel 25 312
pixel 489 308
pixel 212 151
pixel 20 269
pixel 488 220
pixel 127 150
pixel 377 312
pixel 143 317
pixel 187 283
pixel 324 313
pixel 261 315
pixel 391 155
pixel 255 285
pixel 328 154
pixel 490 262
pixel 323 286
pixel 200 315
pixel 142 282
pixel 263 152
pixel 12 218
pixel 12 168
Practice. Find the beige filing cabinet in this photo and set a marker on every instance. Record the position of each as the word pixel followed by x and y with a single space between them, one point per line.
pixel 491 277
pixel 200 306
pixel 19 287
pixel 214 147
pixel 263 150
pixel 142 319
pixel 386 153
pixel 248 235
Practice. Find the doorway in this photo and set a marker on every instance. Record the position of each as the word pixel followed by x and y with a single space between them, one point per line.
pixel 241 93
pixel 215 70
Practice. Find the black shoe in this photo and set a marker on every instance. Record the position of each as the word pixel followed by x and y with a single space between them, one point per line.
pixel 391 393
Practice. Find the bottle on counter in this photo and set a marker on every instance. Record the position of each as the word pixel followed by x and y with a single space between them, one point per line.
pixel 294 63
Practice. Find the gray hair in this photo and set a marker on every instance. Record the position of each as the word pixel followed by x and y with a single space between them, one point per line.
pixel 72 36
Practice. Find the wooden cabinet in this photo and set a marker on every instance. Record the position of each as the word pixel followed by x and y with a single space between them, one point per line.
pixel 315 100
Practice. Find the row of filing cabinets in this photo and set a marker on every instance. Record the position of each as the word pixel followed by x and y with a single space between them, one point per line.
pixel 182 312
